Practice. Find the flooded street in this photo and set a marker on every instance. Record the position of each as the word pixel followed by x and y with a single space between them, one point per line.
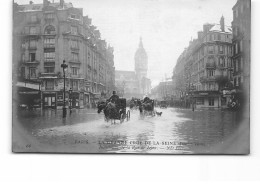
pixel 175 131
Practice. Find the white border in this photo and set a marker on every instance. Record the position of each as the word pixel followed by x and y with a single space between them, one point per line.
pixel 105 169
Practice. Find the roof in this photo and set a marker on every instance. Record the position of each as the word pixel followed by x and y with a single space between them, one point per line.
pixel 39 7
pixel 217 28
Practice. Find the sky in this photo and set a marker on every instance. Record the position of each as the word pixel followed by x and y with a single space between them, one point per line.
pixel 166 27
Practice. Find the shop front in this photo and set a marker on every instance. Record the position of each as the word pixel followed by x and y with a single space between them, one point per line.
pixel 206 99
pixel 49 100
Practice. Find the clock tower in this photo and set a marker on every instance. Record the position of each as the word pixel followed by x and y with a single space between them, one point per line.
pixel 141 61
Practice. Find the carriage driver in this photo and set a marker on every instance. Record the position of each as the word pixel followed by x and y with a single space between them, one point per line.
pixel 114 97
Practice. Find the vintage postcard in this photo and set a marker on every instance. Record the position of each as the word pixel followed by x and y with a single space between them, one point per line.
pixel 131 76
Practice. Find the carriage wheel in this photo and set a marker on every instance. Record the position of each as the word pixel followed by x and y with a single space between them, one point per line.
pixel 128 115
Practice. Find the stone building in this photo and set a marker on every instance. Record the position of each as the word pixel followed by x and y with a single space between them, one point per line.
pixel 135 83
pixel 241 27
pixel 163 91
pixel 204 69
pixel 46 34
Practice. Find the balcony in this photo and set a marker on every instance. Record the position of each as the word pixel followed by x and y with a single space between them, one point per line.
pixel 32 47
pixel 210 65
pixel 75 61
pixel 49 45
pixel 216 78
pixel 75 75
pixel 28 62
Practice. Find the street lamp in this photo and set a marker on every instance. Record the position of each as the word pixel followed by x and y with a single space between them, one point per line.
pixel 192 99
pixel 70 99
pixel 64 66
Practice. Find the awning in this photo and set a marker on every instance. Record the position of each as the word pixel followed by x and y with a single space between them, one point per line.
pixel 28 85
pixel 29 92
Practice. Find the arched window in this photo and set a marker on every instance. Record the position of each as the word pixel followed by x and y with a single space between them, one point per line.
pixel 49 30
pixel 221 61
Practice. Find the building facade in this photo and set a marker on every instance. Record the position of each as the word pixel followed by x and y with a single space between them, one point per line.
pixel 135 83
pixel 163 91
pixel 241 27
pixel 204 69
pixel 47 34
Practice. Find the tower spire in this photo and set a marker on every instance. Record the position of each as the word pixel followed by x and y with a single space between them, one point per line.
pixel 140 43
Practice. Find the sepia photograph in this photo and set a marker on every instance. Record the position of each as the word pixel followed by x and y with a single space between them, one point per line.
pixel 164 77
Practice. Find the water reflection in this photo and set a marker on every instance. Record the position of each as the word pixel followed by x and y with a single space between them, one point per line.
pixel 176 131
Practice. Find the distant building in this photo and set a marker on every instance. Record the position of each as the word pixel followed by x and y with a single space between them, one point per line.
pixel 135 83
pixel 204 69
pixel 163 91
pixel 46 34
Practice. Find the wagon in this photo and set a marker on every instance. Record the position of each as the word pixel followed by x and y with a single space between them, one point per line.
pixel 115 111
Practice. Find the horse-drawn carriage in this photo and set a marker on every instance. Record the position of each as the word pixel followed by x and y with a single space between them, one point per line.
pixel 115 111
pixel 146 107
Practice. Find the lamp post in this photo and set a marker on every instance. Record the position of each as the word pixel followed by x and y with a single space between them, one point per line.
pixel 70 99
pixel 192 99
pixel 64 66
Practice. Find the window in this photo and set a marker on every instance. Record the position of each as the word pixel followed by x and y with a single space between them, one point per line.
pixel 211 49
pixel 49 16
pixel 49 42
pixel 49 30
pixel 23 72
pixel 205 49
pixel 211 73
pixel 211 101
pixel 215 36
pixel 241 46
pixel 32 44
pixel 75 56
pixel 221 49
pixel 49 56
pixel 221 62
pixel 242 63
pixel 75 71
pixel 49 84
pixel 74 44
pixel 75 85
pixel 33 30
pixel 200 101
pixel 33 18
pixel 32 57
pixel 48 69
pixel 216 49
pixel 74 30
pixel 23 57
pixel 222 37
pixel 74 16
pixel 211 37
pixel 32 72
pixel 23 45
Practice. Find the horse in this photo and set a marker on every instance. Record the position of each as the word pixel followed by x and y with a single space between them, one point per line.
pixel 146 107
pixel 109 109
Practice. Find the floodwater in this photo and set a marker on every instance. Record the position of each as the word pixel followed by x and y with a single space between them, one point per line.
pixel 176 131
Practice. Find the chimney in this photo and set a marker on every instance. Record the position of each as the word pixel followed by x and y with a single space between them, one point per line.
pixel 222 24
pixel 206 28
pixel 31 2
pixel 200 35
pixel 45 3
pixel 61 3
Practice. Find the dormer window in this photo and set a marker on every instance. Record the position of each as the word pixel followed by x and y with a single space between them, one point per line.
pixel 49 30
pixel 74 30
